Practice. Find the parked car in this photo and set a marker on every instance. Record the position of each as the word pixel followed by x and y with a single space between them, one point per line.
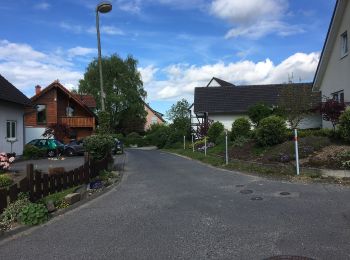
pixel 75 147
pixel 52 146
pixel 118 146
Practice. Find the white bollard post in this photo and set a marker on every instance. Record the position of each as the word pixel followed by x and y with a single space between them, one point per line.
pixel 192 142
pixel 205 146
pixel 226 147
pixel 296 150
pixel 184 142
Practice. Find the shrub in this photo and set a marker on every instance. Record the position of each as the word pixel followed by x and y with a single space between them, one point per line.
pixel 33 214
pixel 240 141
pixel 258 112
pixel 240 127
pixel 11 213
pixel 33 152
pixel 135 139
pixel 344 126
pixel 98 146
pixel 158 135
pixel 272 130
pixel 214 131
pixel 5 181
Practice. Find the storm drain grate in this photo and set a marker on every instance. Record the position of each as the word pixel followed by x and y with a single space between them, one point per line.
pixel 256 198
pixel 246 191
pixel 284 193
pixel 289 257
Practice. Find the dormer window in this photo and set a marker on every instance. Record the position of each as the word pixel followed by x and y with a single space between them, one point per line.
pixel 344 44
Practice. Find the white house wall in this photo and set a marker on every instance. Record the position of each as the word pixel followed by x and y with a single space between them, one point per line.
pixel 12 112
pixel 33 133
pixel 337 74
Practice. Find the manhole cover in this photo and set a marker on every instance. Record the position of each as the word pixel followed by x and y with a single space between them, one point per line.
pixel 284 193
pixel 239 185
pixel 289 257
pixel 246 191
pixel 256 198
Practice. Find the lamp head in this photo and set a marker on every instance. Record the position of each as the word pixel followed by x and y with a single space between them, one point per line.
pixel 104 7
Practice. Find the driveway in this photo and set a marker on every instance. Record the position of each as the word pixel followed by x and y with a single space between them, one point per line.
pixel 168 207
pixel 69 163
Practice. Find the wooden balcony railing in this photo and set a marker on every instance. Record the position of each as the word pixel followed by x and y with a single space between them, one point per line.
pixel 77 121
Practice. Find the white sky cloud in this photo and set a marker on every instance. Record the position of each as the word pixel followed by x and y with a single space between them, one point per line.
pixel 25 67
pixel 80 51
pixel 182 79
pixel 254 18
pixel 42 6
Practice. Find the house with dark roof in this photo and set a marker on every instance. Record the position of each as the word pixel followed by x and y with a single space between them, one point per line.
pixel 12 104
pixel 332 76
pixel 229 102
pixel 152 117
pixel 55 104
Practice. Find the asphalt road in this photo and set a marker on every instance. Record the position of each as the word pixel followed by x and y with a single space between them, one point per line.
pixel 168 207
pixel 69 163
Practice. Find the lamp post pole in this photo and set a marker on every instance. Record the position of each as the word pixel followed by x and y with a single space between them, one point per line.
pixel 103 7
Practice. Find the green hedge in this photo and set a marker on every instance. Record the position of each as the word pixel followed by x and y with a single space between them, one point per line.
pixel 271 130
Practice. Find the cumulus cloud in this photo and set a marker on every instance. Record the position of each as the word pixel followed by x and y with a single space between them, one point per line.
pixel 147 73
pixel 26 67
pixel 80 51
pixel 181 79
pixel 254 18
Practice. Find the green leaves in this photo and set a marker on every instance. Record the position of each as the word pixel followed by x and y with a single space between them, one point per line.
pixel 98 146
pixel 124 91
pixel 33 214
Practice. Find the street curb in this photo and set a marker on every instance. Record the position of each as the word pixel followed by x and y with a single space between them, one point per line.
pixel 23 230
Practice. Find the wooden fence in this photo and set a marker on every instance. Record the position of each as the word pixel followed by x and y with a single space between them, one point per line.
pixel 39 184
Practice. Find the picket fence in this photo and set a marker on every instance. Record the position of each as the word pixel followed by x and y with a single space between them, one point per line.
pixel 39 185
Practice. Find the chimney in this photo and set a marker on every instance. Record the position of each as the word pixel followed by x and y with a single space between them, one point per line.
pixel 37 89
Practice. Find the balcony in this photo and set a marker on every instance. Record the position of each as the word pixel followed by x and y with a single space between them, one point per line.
pixel 77 121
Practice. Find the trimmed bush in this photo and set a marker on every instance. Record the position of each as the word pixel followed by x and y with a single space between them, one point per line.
pixel 258 112
pixel 240 128
pixel 158 135
pixel 272 130
pixel 344 126
pixel 33 152
pixel 98 146
pixel 214 131
pixel 5 181
pixel 135 139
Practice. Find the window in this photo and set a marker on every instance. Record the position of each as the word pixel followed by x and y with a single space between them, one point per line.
pixel 338 96
pixel 344 44
pixel 41 114
pixel 11 130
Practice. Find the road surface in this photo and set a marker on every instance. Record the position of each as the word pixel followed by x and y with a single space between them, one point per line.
pixel 168 207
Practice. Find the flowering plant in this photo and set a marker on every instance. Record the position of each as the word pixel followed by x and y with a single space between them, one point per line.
pixel 5 161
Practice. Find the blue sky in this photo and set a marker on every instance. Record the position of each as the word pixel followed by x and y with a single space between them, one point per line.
pixel 180 44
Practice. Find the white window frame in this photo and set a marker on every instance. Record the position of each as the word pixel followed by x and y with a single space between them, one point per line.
pixel 336 95
pixel 344 47
pixel 12 124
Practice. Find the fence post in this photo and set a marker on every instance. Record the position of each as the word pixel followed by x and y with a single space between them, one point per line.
pixel 205 145
pixel 296 150
pixel 30 177
pixel 192 143
pixel 226 147
pixel 184 142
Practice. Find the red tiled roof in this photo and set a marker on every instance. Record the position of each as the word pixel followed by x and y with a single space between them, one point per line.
pixel 87 100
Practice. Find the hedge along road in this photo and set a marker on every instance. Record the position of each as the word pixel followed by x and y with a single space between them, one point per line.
pixel 168 207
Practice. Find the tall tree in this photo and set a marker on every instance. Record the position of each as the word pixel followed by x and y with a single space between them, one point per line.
pixel 180 110
pixel 124 91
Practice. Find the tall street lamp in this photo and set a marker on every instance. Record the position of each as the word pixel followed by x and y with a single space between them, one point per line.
pixel 103 7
